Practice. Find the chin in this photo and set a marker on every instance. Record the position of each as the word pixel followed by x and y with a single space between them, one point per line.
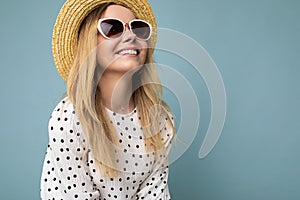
pixel 126 66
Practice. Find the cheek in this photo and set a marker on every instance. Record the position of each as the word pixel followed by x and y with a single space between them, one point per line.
pixel 143 56
pixel 101 55
pixel 143 52
pixel 104 53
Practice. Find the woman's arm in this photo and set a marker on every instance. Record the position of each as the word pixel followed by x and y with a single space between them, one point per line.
pixel 65 174
pixel 155 187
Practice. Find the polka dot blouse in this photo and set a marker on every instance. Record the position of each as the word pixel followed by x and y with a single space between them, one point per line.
pixel 68 175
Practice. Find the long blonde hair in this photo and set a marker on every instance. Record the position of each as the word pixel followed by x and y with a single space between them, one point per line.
pixel 85 95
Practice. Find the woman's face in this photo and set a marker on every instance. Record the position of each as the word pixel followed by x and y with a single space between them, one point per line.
pixel 109 51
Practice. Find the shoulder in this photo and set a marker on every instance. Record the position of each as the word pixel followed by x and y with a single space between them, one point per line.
pixel 63 120
pixel 168 114
pixel 166 125
pixel 63 108
pixel 64 113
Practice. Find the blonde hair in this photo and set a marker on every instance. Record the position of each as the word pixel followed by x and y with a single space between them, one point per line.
pixel 85 95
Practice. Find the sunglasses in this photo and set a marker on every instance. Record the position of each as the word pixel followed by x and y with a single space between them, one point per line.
pixel 111 28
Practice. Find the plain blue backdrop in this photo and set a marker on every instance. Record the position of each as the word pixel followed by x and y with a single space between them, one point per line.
pixel 256 46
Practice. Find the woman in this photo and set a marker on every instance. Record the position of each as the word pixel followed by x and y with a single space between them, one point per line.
pixel 110 137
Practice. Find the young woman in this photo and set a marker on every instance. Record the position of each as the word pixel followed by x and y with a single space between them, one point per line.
pixel 110 137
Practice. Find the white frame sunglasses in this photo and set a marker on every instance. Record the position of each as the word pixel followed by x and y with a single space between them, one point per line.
pixel 131 27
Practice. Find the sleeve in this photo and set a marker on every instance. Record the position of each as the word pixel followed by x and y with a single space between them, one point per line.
pixel 155 186
pixel 65 174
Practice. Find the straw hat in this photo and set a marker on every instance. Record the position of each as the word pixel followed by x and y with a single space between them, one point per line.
pixel 69 19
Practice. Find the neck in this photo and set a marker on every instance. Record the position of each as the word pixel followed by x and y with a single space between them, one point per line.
pixel 116 92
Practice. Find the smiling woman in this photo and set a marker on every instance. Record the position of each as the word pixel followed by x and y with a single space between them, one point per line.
pixel 123 51
pixel 110 137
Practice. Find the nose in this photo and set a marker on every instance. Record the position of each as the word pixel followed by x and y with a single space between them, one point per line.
pixel 128 35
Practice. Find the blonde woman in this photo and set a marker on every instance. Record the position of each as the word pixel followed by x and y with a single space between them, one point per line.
pixel 110 137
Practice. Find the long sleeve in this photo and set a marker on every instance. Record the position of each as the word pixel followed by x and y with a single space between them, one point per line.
pixel 65 174
pixel 155 186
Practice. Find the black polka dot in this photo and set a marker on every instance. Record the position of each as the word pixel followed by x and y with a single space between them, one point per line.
pixel 67 170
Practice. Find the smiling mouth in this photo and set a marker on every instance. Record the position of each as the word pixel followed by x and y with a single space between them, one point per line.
pixel 128 52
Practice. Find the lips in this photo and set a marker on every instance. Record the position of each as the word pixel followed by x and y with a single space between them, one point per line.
pixel 128 51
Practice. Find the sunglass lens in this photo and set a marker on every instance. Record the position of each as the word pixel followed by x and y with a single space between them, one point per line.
pixel 141 29
pixel 112 28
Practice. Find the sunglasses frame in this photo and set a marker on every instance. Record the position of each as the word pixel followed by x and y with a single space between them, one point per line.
pixel 124 27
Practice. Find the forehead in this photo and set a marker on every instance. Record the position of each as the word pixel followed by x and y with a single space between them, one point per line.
pixel 118 11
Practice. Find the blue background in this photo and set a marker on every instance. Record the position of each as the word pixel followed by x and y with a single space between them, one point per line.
pixel 256 46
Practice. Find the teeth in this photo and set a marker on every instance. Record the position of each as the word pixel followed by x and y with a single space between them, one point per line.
pixel 128 51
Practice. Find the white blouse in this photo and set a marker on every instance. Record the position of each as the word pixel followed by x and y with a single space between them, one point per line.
pixel 66 175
